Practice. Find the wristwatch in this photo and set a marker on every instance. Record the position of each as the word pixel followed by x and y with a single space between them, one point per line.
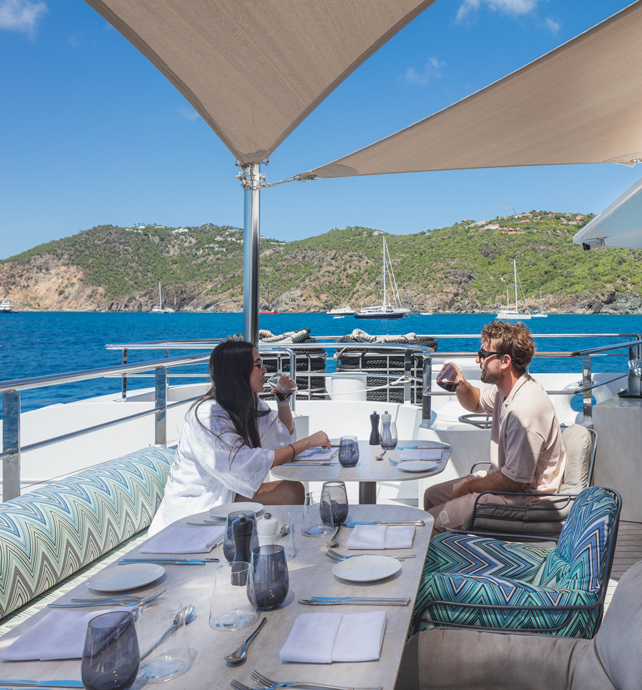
pixel 283 396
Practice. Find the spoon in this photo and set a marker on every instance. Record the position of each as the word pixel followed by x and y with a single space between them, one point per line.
pixel 187 613
pixel 241 653
pixel 284 531
pixel 380 457
pixel 335 537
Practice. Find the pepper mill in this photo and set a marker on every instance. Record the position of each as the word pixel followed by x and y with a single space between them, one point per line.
pixel 242 529
pixel 374 433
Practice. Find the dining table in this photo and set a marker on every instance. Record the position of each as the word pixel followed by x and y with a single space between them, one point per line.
pixel 368 470
pixel 310 575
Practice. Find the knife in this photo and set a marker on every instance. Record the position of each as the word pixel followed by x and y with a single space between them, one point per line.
pixel 328 601
pixel 169 561
pixel 417 523
pixel 310 464
pixel 43 683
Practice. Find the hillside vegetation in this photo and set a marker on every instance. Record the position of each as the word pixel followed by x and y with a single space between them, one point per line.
pixel 466 267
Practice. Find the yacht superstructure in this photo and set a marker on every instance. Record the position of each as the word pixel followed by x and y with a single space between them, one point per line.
pixel 5 306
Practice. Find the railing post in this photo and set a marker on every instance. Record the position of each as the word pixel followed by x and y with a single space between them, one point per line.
pixel 587 404
pixel 124 393
pixel 426 411
pixel 160 405
pixel 11 444
pixel 407 372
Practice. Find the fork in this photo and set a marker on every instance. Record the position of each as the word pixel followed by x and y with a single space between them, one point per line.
pixel 341 557
pixel 109 602
pixel 273 684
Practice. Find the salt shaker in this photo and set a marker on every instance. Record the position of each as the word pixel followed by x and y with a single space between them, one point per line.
pixel 374 433
pixel 267 529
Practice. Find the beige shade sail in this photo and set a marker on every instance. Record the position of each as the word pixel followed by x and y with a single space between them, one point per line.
pixel 255 69
pixel 580 103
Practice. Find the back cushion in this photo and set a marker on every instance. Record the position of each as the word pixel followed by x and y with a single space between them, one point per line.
pixel 579 560
pixel 578 445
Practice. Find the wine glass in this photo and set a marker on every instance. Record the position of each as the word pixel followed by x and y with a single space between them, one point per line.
pixel 111 656
pixel 334 503
pixel 389 436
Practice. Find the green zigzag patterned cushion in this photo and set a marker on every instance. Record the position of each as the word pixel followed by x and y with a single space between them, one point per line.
pixel 49 534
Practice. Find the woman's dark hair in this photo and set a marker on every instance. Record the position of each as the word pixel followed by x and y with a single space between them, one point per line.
pixel 230 368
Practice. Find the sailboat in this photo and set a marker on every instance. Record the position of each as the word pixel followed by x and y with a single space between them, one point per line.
pixel 385 311
pixel 541 314
pixel 160 308
pixel 508 313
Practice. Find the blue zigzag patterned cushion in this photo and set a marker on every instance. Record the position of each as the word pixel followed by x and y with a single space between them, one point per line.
pixel 47 535
pixel 474 570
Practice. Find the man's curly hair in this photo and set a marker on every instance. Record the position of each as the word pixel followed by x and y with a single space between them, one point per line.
pixel 512 339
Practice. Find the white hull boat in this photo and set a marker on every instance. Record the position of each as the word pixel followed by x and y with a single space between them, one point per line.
pixel 509 314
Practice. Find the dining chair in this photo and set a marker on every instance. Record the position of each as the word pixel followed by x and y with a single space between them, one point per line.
pixel 545 517
pixel 478 582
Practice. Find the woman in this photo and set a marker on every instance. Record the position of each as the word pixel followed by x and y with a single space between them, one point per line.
pixel 231 439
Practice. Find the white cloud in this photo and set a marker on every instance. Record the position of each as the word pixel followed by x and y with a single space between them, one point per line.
pixel 514 7
pixel 551 24
pixel 21 15
pixel 188 113
pixel 432 70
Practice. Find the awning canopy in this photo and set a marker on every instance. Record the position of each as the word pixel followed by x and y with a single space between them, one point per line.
pixel 255 69
pixel 620 225
pixel 580 103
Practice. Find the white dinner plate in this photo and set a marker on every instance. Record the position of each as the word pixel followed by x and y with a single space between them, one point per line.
pixel 125 577
pixel 366 568
pixel 226 508
pixel 417 466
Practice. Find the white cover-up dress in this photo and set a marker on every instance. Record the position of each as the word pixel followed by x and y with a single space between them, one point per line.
pixel 213 464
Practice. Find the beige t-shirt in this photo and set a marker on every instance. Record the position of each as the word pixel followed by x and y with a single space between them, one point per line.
pixel 526 440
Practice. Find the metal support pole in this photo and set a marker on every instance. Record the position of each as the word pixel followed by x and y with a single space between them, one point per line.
pixel 407 372
pixel 124 393
pixel 426 400
pixel 587 403
pixel 160 405
pixel 293 375
pixel 11 444
pixel 251 236
pixel 367 493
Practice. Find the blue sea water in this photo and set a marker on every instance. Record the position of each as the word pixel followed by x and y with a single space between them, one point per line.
pixel 37 344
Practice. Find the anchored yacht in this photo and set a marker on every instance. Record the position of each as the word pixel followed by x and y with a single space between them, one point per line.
pixel 510 314
pixel 160 308
pixel 5 306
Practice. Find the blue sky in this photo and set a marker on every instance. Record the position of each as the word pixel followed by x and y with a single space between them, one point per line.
pixel 93 134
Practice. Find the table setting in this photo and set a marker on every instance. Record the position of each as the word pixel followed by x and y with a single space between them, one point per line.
pixel 353 639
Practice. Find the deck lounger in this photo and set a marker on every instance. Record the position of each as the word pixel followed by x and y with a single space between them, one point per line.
pixel 471 581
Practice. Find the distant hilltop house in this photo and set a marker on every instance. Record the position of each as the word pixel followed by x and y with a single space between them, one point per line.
pixel 491 226
pixel 179 230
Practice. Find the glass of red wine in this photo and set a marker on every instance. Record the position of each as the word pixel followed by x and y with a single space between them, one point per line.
pixel 111 657
pixel 447 378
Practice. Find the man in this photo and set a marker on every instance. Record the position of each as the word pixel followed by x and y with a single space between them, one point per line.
pixel 526 450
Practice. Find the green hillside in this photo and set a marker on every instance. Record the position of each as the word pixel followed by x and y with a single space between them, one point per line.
pixel 465 261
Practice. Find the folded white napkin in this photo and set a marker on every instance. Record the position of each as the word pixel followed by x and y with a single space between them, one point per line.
pixel 59 635
pixel 321 638
pixel 381 537
pixel 185 540
pixel 417 454
pixel 317 454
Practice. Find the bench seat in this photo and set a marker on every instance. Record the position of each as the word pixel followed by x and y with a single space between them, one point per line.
pixel 48 534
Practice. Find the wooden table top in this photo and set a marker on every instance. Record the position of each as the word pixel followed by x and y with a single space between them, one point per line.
pixel 368 469
pixel 310 575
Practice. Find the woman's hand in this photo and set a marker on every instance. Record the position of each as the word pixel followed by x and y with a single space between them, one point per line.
pixel 318 439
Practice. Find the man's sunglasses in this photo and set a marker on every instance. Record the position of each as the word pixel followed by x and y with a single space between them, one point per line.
pixel 482 354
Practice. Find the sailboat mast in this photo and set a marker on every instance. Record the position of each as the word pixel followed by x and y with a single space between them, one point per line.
pixel 515 273
pixel 384 273
pixel 160 296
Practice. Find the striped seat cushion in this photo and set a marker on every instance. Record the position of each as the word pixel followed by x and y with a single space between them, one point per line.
pixel 47 535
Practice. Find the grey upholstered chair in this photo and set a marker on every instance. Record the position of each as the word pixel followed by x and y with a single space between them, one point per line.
pixel 546 517
pixel 450 659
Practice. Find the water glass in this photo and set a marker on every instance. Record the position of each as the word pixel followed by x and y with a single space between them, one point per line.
pixel 271 578
pixel 170 659
pixel 334 503
pixel 389 437
pixel 233 604
pixel 229 545
pixel 348 451
pixel 313 525
pixel 287 542
pixel 110 658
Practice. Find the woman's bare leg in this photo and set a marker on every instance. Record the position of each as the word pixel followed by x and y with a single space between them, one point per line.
pixel 281 493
